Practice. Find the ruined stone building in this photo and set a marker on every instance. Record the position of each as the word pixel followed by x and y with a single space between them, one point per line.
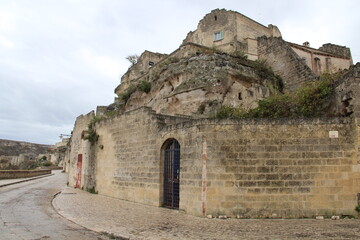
pixel 159 143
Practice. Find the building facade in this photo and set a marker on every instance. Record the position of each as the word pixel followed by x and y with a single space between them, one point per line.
pixel 161 148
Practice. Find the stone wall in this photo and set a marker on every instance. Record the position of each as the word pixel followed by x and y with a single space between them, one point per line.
pixel 285 62
pixel 282 168
pixel 251 168
pixel 145 61
pixel 127 164
pixel 337 50
pixel 79 146
pixel 321 62
pixel 216 21
pixel 12 174
pixel 347 90
pixel 235 28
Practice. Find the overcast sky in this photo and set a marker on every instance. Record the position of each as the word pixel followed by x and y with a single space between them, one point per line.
pixel 62 58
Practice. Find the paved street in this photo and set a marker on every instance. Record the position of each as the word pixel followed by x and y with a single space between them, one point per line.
pixel 138 221
pixel 26 212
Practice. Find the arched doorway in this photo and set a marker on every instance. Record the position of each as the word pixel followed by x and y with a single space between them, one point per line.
pixel 171 174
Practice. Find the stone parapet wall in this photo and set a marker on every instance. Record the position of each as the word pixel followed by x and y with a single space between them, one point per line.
pixel 337 50
pixel 12 174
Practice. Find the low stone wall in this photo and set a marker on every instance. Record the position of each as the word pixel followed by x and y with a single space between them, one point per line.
pixel 11 174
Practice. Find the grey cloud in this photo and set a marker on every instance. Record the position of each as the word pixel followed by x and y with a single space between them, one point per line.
pixel 60 59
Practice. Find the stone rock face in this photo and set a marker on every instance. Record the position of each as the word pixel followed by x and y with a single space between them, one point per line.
pixel 15 148
pixel 198 85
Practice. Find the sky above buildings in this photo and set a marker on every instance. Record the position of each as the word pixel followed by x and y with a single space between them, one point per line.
pixel 60 59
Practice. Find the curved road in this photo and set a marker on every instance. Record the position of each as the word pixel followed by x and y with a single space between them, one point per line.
pixel 26 212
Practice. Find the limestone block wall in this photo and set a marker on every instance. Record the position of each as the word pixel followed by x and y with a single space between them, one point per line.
pixel 337 50
pixel 248 28
pixel 252 168
pixel 127 164
pixel 79 146
pixel 347 90
pixel 191 166
pixel 216 21
pixel 130 158
pixel 284 61
pixel 283 168
pixel 235 27
pixel 141 67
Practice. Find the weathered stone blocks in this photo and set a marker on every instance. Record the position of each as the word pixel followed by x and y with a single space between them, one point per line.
pixel 255 168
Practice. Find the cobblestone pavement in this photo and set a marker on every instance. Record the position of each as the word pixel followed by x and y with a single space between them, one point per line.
pixel 26 212
pixel 137 221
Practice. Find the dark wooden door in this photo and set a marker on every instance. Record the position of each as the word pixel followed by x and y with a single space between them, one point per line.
pixel 172 174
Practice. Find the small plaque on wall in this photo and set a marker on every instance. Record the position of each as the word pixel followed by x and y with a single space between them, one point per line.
pixel 333 134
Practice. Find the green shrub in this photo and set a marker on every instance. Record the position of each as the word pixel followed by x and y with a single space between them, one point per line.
pixel 92 190
pixel 311 100
pixel 277 106
pixel 127 94
pixel 46 164
pixel 201 108
pixel 357 208
pixel 144 86
pixel 241 54
pixel 91 134
pixel 230 112
pixel 279 83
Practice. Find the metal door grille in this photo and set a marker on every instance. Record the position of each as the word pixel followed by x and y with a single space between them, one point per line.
pixel 171 175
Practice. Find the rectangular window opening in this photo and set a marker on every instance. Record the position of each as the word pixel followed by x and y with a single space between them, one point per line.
pixel 218 36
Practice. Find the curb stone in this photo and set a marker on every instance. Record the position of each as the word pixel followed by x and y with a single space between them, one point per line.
pixel 104 233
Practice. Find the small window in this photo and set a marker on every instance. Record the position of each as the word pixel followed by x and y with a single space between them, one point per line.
pixel 83 134
pixel 215 18
pixel 151 63
pixel 239 96
pixel 218 36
